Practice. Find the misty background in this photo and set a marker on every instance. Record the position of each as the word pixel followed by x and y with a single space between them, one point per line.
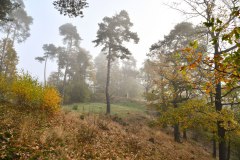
pixel 150 22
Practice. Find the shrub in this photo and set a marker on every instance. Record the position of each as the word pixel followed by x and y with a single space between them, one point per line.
pixel 152 123
pixel 75 107
pixel 4 89
pixel 51 99
pixel 98 97
pixel 26 91
pixel 235 145
pixel 82 117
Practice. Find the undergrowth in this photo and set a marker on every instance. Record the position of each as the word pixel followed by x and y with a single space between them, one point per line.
pixel 27 133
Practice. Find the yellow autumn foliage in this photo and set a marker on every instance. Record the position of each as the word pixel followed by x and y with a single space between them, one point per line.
pixel 26 91
pixel 4 89
pixel 51 99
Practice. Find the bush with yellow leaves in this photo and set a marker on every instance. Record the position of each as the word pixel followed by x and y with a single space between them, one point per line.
pixel 28 92
pixel 51 99
pixel 4 89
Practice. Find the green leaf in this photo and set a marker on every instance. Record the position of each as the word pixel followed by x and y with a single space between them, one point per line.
pixel 238 30
pixel 194 44
pixel 238 69
pixel 184 72
pixel 212 20
pixel 237 36
pixel 214 41
pixel 208 24
pixel 225 37
pixel 219 21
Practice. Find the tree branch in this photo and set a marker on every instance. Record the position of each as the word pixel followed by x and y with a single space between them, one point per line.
pixel 229 49
pixel 224 104
pixel 230 91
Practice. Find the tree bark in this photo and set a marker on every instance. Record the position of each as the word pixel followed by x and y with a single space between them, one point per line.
pixel 66 70
pixel 229 149
pixel 5 43
pixel 176 128
pixel 185 134
pixel 58 75
pixel 108 83
pixel 64 83
pixel 218 106
pixel 214 148
pixel 177 133
pixel 45 69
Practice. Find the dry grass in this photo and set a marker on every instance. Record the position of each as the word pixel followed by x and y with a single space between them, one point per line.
pixel 34 135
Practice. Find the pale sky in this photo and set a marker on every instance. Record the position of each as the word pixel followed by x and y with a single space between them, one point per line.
pixel 152 20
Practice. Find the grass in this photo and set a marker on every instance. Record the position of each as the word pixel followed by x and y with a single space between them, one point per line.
pixel 27 133
pixel 121 109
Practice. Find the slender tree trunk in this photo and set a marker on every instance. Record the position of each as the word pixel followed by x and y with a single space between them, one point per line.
pixel 229 149
pixel 58 75
pixel 108 83
pixel 66 70
pixel 176 133
pixel 185 134
pixel 214 148
pixel 176 128
pixel 14 36
pixel 214 142
pixel 64 83
pixel 218 106
pixel 45 69
pixel 221 130
pixel 164 108
pixel 4 47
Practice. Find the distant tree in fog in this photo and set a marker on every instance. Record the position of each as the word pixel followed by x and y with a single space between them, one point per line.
pixel 113 31
pixel 50 52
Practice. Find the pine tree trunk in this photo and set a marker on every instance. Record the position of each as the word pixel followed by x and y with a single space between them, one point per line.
pixel 45 69
pixel 108 83
pixel 4 48
pixel 64 83
pixel 66 70
pixel 14 36
pixel 58 75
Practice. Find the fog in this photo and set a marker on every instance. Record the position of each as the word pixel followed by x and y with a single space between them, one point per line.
pixel 120 79
pixel 150 20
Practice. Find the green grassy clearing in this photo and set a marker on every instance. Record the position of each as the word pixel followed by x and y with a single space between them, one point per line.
pixel 121 109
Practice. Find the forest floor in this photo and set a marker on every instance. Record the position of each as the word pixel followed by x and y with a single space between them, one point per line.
pixel 76 133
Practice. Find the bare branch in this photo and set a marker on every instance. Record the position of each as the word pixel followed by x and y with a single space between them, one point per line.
pixel 230 91
pixel 182 11
pixel 229 49
pixel 237 103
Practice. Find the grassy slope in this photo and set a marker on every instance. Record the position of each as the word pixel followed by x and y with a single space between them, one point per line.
pixel 123 109
pixel 29 134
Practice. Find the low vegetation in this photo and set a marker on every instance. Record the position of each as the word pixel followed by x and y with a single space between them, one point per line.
pixel 24 91
pixel 31 134
pixel 122 109
pixel 190 80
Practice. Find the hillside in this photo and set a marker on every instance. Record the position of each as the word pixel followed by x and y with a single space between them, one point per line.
pixel 29 134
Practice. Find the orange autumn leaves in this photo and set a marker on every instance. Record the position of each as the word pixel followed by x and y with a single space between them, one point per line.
pixel 226 72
